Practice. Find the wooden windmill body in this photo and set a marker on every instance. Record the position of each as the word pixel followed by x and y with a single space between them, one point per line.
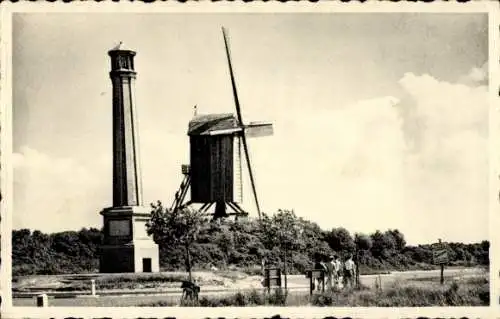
pixel 215 173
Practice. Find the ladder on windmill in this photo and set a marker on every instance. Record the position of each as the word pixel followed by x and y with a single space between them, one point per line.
pixel 183 189
pixel 238 180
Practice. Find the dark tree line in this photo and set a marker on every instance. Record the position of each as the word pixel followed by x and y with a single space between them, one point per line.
pixel 243 244
pixel 57 253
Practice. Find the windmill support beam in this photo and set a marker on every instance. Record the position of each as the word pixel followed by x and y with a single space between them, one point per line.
pixel 188 203
pixel 180 195
pixel 238 209
pixel 220 207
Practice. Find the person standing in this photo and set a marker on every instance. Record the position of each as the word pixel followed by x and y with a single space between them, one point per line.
pixel 263 266
pixel 320 265
pixel 330 272
pixel 349 271
pixel 338 271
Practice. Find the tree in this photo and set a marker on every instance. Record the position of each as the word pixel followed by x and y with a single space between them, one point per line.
pixel 175 227
pixel 340 240
pixel 224 239
pixel 398 238
pixel 484 255
pixel 363 242
pixel 382 245
pixel 312 235
pixel 284 232
pixel 185 239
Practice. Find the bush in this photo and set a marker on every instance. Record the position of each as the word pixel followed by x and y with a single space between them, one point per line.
pixel 322 300
pixel 277 297
pixel 254 298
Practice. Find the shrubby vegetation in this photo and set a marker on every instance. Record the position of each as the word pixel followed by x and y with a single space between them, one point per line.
pixel 226 244
pixel 469 293
pixel 58 253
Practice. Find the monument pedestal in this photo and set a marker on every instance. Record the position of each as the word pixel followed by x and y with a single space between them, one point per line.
pixel 127 246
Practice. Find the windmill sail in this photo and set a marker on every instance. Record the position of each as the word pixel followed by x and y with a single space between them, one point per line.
pixel 258 129
pixel 240 120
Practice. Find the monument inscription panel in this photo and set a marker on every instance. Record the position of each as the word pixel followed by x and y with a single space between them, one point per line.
pixel 119 228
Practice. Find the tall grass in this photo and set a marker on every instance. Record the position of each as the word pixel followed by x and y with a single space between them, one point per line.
pixel 253 297
pixel 469 292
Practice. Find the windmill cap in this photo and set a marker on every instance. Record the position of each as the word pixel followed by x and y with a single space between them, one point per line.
pixel 203 124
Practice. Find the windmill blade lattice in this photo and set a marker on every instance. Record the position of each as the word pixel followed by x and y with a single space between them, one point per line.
pixel 238 173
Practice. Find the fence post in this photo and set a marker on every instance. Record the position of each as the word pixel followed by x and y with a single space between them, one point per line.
pixel 311 288
pixel 441 281
pixel 93 287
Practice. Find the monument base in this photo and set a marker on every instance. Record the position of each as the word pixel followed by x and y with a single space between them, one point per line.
pixel 127 247
pixel 134 257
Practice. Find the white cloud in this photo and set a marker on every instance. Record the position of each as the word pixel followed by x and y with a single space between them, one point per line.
pixel 447 173
pixel 357 167
pixel 476 76
pixel 334 166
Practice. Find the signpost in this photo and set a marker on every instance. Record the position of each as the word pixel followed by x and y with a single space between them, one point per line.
pixel 272 278
pixel 440 257
pixel 313 274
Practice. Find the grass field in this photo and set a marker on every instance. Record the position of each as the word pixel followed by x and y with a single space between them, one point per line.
pixel 82 282
pixel 465 288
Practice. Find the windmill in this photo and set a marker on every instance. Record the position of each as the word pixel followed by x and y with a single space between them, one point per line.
pixel 215 173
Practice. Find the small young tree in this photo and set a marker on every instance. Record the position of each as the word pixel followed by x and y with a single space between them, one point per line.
pixel 283 231
pixel 175 228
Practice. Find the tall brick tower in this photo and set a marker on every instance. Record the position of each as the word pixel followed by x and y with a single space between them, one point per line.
pixel 126 246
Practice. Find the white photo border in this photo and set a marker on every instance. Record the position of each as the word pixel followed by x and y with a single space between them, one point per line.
pixel 6 172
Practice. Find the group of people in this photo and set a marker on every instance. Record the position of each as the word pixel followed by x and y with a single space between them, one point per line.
pixel 337 274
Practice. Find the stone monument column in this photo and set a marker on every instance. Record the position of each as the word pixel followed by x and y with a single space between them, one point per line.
pixel 126 246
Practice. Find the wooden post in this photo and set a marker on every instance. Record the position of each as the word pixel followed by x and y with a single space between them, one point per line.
pixel 92 282
pixel 311 283
pixel 356 264
pixel 442 274
pixel 268 278
pixel 188 253
pixel 285 268
pixel 442 267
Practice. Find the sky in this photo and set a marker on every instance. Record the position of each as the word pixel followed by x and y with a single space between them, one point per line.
pixel 380 120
